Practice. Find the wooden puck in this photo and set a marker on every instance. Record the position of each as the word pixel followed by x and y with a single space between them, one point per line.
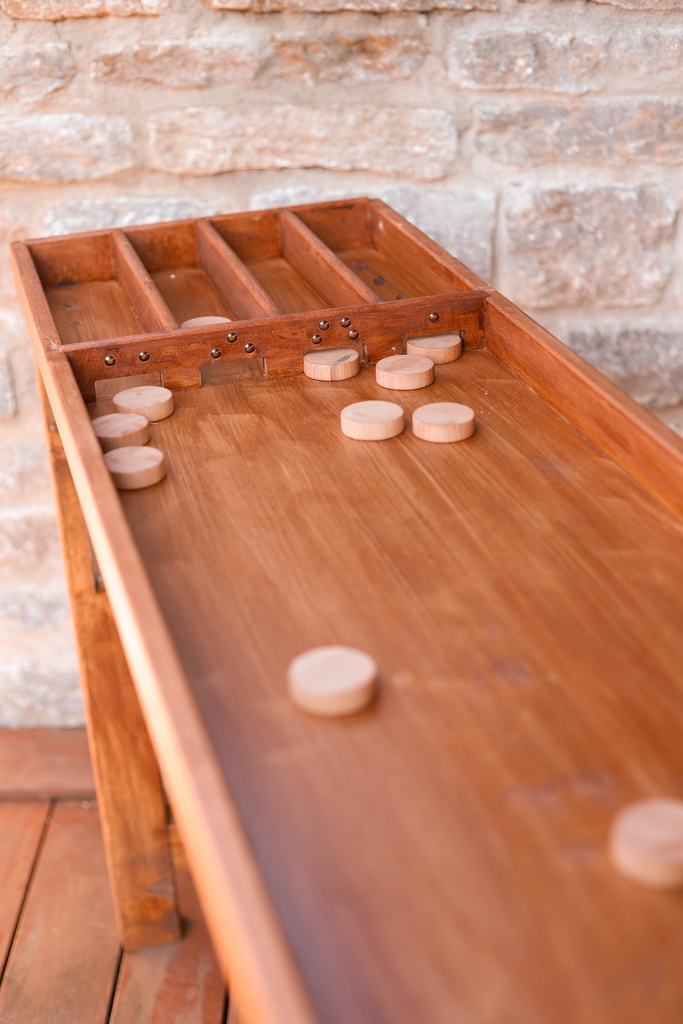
pixel 120 429
pixel 332 364
pixel 646 842
pixel 443 421
pixel 332 681
pixel 404 373
pixel 133 468
pixel 206 321
pixel 440 348
pixel 372 421
pixel 153 402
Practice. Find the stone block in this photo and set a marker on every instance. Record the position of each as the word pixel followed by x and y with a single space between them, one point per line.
pixel 613 132
pixel 34 695
pixel 177 65
pixel 603 246
pixel 347 59
pixel 524 60
pixel 122 211
pixel 64 147
pixel 412 142
pixel 645 359
pixel 369 6
pixel 33 72
pixel 8 401
pixel 23 469
pixel 61 10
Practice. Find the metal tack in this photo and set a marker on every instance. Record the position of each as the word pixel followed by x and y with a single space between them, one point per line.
pixel 216 353
pixel 109 360
pixel 433 317
pixel 317 339
pixel 324 325
pixel 250 347
pixel 345 321
pixel 353 335
pixel 143 357
pixel 232 337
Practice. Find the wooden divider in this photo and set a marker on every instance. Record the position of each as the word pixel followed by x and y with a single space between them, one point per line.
pixel 311 258
pixel 234 281
pixel 150 308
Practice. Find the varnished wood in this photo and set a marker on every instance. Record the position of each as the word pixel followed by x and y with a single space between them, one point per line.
pixel 145 298
pixel 173 984
pixel 37 763
pixel 87 311
pixel 127 779
pixel 410 248
pixel 241 291
pixel 21 829
pixel 312 259
pixel 520 606
pixel 643 446
pixel 189 292
pixel 237 906
pixel 69 899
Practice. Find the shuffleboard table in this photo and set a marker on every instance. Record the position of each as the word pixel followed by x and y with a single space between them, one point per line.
pixel 441 856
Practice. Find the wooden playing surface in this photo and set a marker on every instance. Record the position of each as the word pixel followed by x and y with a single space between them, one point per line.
pixel 441 856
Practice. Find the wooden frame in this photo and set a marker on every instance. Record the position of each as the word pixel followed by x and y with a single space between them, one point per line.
pixel 104 308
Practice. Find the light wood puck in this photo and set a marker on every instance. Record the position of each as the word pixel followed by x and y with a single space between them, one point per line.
pixel 153 402
pixel 440 348
pixel 120 429
pixel 332 681
pixel 443 421
pixel 133 468
pixel 404 373
pixel 332 364
pixel 372 421
pixel 646 842
pixel 206 321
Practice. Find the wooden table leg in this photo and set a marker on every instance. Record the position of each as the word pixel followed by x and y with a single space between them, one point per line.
pixel 129 792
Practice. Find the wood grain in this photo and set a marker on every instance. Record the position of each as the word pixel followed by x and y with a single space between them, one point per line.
pixel 127 778
pixel 44 762
pixel 173 984
pixel 239 912
pixel 67 926
pixel 521 596
pixel 149 306
pixel 21 829
pixel 630 435
pixel 312 259
pixel 240 289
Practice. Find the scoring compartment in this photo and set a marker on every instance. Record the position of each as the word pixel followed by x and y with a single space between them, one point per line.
pixel 386 259
pixel 173 260
pixel 83 290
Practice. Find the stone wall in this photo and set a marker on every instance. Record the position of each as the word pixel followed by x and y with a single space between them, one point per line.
pixel 539 141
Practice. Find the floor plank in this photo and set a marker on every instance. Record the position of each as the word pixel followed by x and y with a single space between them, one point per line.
pixel 178 984
pixel 42 763
pixel 64 960
pixel 21 828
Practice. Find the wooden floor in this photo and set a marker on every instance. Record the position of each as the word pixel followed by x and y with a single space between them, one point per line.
pixel 60 960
